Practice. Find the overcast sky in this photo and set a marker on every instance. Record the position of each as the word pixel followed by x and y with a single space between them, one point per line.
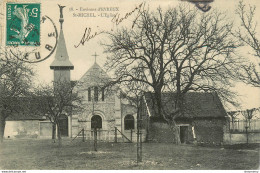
pixel 82 58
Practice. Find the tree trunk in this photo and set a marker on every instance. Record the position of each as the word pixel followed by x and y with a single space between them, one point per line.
pixel 177 135
pixel 2 128
pixel 59 133
pixel 2 125
pixel 176 132
pixel 53 132
pixel 178 113
pixel 158 99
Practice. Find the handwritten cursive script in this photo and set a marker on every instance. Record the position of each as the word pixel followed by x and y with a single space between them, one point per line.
pixel 117 19
pixel 87 36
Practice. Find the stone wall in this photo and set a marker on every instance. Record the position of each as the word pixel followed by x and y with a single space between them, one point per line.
pixel 209 131
pixel 160 132
pixel 45 129
pixel 206 131
pixel 238 138
pixel 22 129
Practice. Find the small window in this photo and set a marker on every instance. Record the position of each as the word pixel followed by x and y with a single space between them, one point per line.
pixel 129 122
pixel 89 94
pixel 103 94
pixel 96 93
pixel 96 122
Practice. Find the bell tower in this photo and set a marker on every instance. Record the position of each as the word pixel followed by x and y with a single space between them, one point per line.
pixel 61 67
pixel 61 64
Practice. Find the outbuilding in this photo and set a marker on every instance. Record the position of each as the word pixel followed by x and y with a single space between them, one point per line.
pixel 204 118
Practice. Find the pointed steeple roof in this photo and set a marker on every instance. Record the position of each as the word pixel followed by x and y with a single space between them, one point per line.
pixel 61 58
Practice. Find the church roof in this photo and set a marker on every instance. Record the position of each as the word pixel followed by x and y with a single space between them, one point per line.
pixel 95 75
pixel 196 104
pixel 61 57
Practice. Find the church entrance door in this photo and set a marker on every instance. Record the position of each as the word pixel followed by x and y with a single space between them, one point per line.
pixel 64 126
pixel 96 122
pixel 96 126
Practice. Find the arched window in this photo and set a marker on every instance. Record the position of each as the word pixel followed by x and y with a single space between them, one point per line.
pixel 96 121
pixel 129 122
pixel 96 93
pixel 103 94
pixel 89 94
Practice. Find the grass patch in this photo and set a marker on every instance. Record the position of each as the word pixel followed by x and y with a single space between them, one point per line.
pixel 243 146
pixel 43 154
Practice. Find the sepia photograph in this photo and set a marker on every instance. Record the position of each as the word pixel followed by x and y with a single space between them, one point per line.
pixel 129 85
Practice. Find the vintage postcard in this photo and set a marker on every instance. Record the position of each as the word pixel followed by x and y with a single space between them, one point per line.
pixel 129 85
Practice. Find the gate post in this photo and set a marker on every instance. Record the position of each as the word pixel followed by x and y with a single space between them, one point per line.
pixel 131 135
pixel 139 131
pixel 83 139
pixel 115 134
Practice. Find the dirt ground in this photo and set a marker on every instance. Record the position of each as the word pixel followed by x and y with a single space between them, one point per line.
pixel 43 154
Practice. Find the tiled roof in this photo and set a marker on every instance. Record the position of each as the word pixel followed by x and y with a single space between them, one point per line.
pixel 94 76
pixel 196 105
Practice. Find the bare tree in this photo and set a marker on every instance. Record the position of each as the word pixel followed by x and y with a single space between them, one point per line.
pixel 15 81
pixel 247 34
pixel 56 101
pixel 248 114
pixel 233 115
pixel 178 50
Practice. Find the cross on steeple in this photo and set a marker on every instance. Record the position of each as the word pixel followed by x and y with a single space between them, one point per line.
pixel 95 55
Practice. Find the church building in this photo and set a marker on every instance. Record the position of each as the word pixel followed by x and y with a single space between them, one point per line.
pixel 103 108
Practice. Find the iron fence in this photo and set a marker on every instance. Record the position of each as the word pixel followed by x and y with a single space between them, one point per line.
pixel 245 125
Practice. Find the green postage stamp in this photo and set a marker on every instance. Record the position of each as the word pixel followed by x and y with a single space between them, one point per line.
pixel 23 24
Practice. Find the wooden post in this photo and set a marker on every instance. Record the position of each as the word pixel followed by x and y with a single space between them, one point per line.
pixel 95 139
pixel 69 126
pixel 139 134
pixel 115 134
pixel 83 134
pixel 246 135
pixel 131 135
pixel 138 145
pixel 141 150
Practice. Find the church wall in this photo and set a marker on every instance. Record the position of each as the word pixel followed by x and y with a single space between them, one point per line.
pixel 105 109
pixel 112 112
pixel 74 125
pixel 128 110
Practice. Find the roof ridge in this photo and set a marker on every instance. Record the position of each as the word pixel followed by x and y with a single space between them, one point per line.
pixel 91 68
